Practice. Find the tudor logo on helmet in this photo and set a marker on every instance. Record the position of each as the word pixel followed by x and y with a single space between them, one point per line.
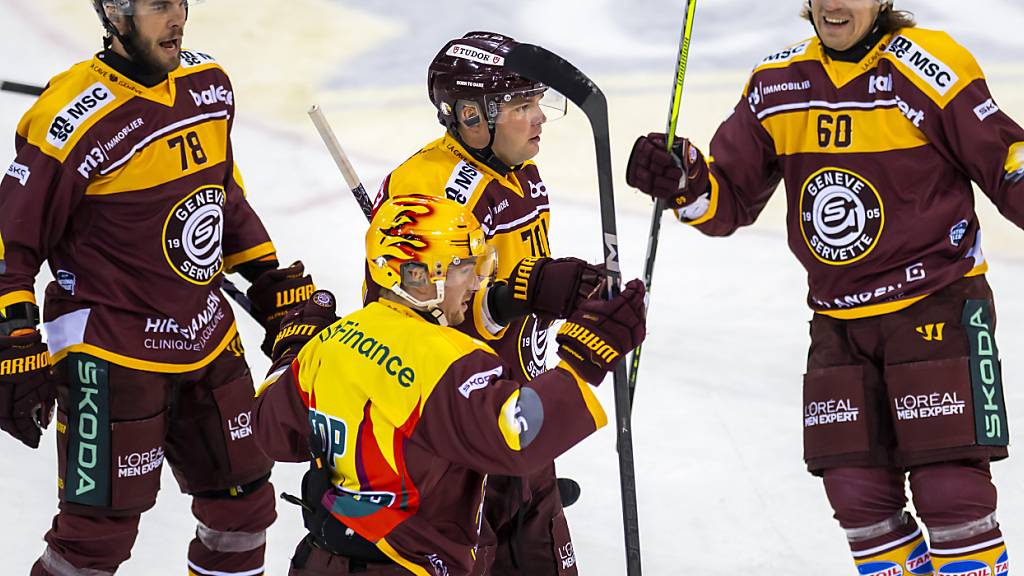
pixel 470 53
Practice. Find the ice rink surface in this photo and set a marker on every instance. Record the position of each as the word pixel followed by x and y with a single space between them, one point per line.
pixel 717 418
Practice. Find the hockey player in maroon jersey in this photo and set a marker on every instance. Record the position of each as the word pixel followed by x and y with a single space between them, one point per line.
pixel 125 184
pixel 409 416
pixel 878 129
pixel 493 121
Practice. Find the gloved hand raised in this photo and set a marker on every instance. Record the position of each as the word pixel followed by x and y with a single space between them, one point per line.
pixel 549 288
pixel 600 333
pixel 655 172
pixel 27 391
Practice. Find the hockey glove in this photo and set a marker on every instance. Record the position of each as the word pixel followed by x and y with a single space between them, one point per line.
pixel 599 334
pixel 27 392
pixel 548 288
pixel 659 174
pixel 273 294
pixel 302 323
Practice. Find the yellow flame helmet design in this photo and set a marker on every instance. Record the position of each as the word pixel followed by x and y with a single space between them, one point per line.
pixel 428 231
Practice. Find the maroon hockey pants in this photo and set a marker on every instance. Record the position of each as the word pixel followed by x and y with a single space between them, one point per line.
pixel 525 531
pixel 116 426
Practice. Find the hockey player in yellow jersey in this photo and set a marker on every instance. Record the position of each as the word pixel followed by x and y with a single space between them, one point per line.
pixel 411 415
pixel 493 121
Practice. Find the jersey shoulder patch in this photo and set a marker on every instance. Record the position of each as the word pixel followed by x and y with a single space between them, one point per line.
pixel 803 50
pixel 933 61
pixel 191 59
pixel 439 170
pixel 73 101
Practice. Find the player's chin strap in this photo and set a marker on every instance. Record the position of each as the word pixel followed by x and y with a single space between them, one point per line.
pixel 429 307
pixel 486 154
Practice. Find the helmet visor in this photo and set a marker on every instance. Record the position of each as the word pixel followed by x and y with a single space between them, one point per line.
pixel 539 106
pixel 149 7
pixel 477 271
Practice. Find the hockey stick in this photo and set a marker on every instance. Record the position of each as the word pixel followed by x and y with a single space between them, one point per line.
pixel 229 287
pixel 539 65
pixel 19 88
pixel 341 159
pixel 659 205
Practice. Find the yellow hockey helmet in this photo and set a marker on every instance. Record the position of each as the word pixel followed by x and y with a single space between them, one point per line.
pixel 425 231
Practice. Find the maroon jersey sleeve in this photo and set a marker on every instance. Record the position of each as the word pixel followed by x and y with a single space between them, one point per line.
pixel 477 418
pixel 37 200
pixel 974 134
pixel 744 173
pixel 245 237
pixel 281 419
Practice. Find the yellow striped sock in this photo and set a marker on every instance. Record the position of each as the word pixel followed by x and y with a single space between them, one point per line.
pixel 984 559
pixel 903 557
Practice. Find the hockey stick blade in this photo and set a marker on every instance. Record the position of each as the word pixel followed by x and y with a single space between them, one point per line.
pixel 540 65
pixel 19 88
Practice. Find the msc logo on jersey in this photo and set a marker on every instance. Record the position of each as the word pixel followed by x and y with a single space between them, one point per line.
pixel 927 67
pixel 787 54
pixel 841 216
pixel 75 114
pixel 462 182
pixel 190 59
pixel 193 235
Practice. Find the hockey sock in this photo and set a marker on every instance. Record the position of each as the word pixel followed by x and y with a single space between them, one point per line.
pixel 970 549
pixel 894 547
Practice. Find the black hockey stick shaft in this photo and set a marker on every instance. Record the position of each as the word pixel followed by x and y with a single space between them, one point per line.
pixel 659 205
pixel 229 287
pixel 20 88
pixel 538 64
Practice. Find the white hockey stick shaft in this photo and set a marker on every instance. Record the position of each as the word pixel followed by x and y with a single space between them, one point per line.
pixel 341 159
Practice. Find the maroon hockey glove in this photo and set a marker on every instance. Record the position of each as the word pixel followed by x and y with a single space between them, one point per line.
pixel 599 334
pixel 302 323
pixel 659 174
pixel 27 392
pixel 273 294
pixel 549 288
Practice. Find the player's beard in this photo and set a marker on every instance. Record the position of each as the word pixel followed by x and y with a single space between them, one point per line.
pixel 151 58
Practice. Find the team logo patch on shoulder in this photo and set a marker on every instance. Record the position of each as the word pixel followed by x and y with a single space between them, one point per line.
pixel 191 59
pixel 933 71
pixel 985 109
pixel 193 235
pixel 19 172
pixel 478 381
pixel 787 54
pixel 841 216
pixel 64 124
pixel 463 181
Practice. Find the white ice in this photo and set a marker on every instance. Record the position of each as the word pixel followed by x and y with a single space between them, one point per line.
pixel 717 418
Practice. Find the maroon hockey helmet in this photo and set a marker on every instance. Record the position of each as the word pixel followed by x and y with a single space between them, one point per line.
pixel 473 68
